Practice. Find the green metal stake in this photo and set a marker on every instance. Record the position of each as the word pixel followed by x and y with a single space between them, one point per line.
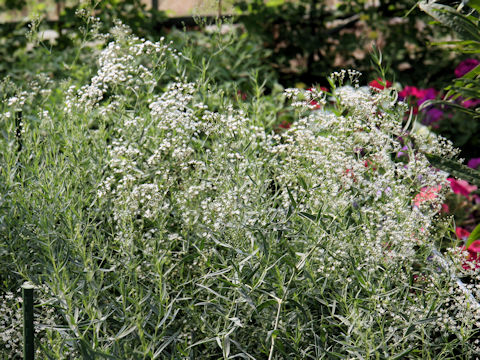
pixel 28 330
pixel 18 129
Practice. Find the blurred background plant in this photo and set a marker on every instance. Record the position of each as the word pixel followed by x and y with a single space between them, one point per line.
pixel 306 39
pixel 311 38
pixel 75 22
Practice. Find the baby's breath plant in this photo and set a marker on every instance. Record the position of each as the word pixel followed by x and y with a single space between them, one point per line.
pixel 159 217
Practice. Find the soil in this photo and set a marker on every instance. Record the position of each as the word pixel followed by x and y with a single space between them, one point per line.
pixel 179 7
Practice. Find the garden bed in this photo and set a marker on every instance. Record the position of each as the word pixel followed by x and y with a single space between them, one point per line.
pixel 165 201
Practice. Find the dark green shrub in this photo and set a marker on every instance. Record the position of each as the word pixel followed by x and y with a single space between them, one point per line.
pixel 317 40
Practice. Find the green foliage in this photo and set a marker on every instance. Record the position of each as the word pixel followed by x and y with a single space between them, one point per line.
pixel 455 169
pixel 130 12
pixel 75 26
pixel 308 41
pixel 465 24
pixel 461 24
pixel 474 236
pixel 6 5
pixel 229 57
pixel 172 220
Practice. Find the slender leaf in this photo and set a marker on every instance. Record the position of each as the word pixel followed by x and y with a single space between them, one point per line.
pixel 461 24
pixel 474 114
pixel 308 216
pixel 455 169
pixel 475 235
pixel 474 4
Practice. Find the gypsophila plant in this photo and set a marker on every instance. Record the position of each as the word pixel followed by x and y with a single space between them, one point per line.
pixel 162 218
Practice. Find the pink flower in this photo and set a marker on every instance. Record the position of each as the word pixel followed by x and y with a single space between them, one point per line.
pixel 473 257
pixel 465 66
pixel 421 94
pixel 426 194
pixel 461 187
pixel 474 247
pixel 380 84
pixel 411 91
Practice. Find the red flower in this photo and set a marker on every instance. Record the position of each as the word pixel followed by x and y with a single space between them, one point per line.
pixel 315 104
pixel 322 88
pixel 473 256
pixel 411 91
pixel 368 163
pixel 241 95
pixel 349 174
pixel 462 234
pixel 445 209
pixel 380 84
pixel 474 247
pixel 285 125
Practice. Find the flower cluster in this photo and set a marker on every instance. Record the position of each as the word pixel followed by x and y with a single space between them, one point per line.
pixel 179 162
pixel 11 324
pixel 127 66
pixel 465 204
pixel 348 162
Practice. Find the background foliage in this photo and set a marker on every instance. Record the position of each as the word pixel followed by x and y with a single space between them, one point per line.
pixel 317 41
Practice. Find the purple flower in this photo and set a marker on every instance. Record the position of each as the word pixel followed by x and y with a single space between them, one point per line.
pixel 465 66
pixel 474 163
pixel 471 103
pixel 403 152
pixel 432 116
pixel 428 94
